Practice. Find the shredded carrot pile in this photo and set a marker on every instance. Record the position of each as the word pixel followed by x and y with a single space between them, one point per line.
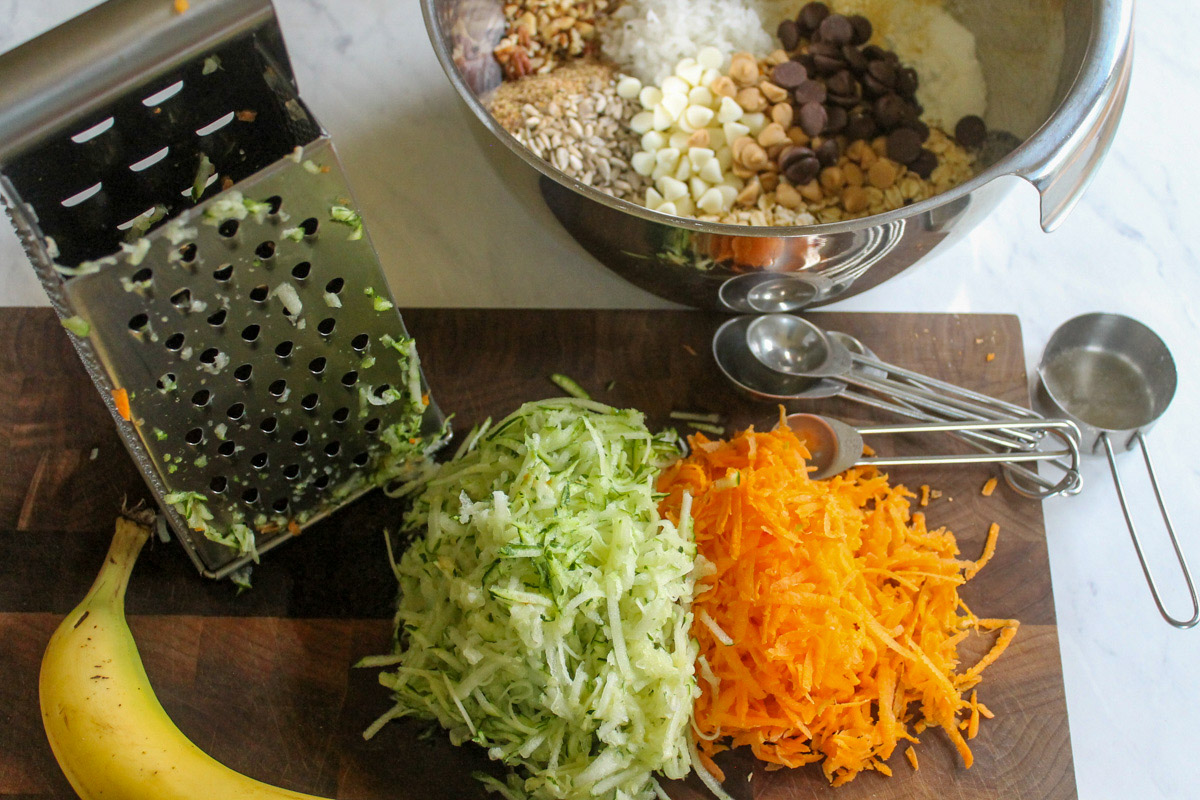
pixel 827 614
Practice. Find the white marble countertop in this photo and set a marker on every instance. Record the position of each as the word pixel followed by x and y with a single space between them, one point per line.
pixel 1132 246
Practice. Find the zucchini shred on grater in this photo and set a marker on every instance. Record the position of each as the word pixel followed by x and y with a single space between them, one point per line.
pixel 193 228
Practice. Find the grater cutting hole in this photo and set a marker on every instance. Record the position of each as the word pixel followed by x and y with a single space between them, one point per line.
pixel 317 365
pixel 167 380
pixel 217 319
pixel 260 461
pixel 341 415
pixel 150 160
pixel 371 425
pixel 335 286
pixel 236 411
pixel 326 326
pixel 268 425
pixel 216 124
pixel 250 496
pixel 280 505
pixel 309 226
pixel 349 379
pixel 194 437
pixel 265 249
pixel 321 482
pixel 361 459
pixel 333 448
pixel 138 323
pixel 291 471
pixel 284 348
pixel 188 252
pixel 381 390
pixel 142 277
pixel 82 197
pixel 278 388
pixel 301 271
pixel 162 95
pixel 310 402
pixel 174 342
pixel 228 228
pixel 250 333
pixel 223 273
pixel 182 299
pixel 200 399
pixel 227 449
pixel 260 293
pixel 360 342
pixel 274 204
pixel 218 485
pixel 92 132
pixel 243 373
pixel 300 438
pixel 210 356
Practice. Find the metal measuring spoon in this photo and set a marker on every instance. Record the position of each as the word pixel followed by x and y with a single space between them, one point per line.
pixel 834 446
pixel 1115 377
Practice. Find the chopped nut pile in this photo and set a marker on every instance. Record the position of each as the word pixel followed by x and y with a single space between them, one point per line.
pixel 543 33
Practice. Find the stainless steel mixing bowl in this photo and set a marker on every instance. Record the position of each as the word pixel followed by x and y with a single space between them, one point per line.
pixel 1057 74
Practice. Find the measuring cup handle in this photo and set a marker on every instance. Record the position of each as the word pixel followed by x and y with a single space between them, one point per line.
pixel 1187 577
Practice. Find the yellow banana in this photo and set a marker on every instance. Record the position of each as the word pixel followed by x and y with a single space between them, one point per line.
pixel 108 731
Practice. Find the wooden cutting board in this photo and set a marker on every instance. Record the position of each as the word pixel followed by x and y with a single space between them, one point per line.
pixel 262 681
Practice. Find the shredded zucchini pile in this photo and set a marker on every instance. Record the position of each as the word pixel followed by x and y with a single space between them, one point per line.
pixel 544 612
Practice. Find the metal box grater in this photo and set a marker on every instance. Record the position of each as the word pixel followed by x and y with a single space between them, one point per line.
pixel 239 308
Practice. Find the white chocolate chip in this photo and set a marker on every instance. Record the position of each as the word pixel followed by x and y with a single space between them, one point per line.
pixel 653 140
pixel 643 163
pixel 710 202
pixel 700 96
pixel 653 199
pixel 698 116
pixel 729 111
pixel 667 208
pixel 699 156
pixel 711 171
pixel 662 118
pixel 679 140
pixel 641 122
pixel 698 187
pixel 690 71
pixel 684 170
pixel 675 85
pixel 628 87
pixel 667 157
pixel 650 96
pixel 671 189
pixel 734 130
pixel 710 58
pixel 675 104
pixel 755 122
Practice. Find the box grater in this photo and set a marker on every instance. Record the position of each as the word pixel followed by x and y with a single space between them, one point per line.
pixel 192 226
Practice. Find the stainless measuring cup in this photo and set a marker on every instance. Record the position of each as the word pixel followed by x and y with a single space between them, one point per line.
pixel 1115 377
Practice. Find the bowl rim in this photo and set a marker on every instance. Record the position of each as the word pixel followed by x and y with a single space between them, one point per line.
pixel 1110 37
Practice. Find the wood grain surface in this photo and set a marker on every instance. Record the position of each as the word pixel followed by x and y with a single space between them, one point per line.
pixel 263 681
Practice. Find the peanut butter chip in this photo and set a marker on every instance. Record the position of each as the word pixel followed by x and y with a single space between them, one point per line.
pixel 787 196
pixel 773 135
pixel 751 100
pixel 783 114
pixel 754 157
pixel 811 192
pixel 882 174
pixel 854 199
pixel 773 93
pixel 832 178
pixel 699 139
pixel 723 86
pixel 743 69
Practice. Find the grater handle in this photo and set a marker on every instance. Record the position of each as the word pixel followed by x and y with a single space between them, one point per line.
pixel 85 64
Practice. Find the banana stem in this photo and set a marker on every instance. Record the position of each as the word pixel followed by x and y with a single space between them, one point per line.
pixel 113 577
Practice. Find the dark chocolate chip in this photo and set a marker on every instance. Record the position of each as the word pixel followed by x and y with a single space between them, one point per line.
pixel 813 117
pixel 970 131
pixel 874 52
pixel 906 82
pixel 802 171
pixel 828 153
pixel 812 15
pixel 791 154
pixel 836 29
pixel 883 71
pixel 825 49
pixel 828 66
pixel 890 111
pixel 842 83
pixel 789 34
pixel 861 125
pixel 921 128
pixel 854 57
pixel 924 164
pixel 904 145
pixel 809 92
pixel 872 87
pixel 789 75
pixel 837 120
pixel 806 60
pixel 862 29
pixel 846 101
